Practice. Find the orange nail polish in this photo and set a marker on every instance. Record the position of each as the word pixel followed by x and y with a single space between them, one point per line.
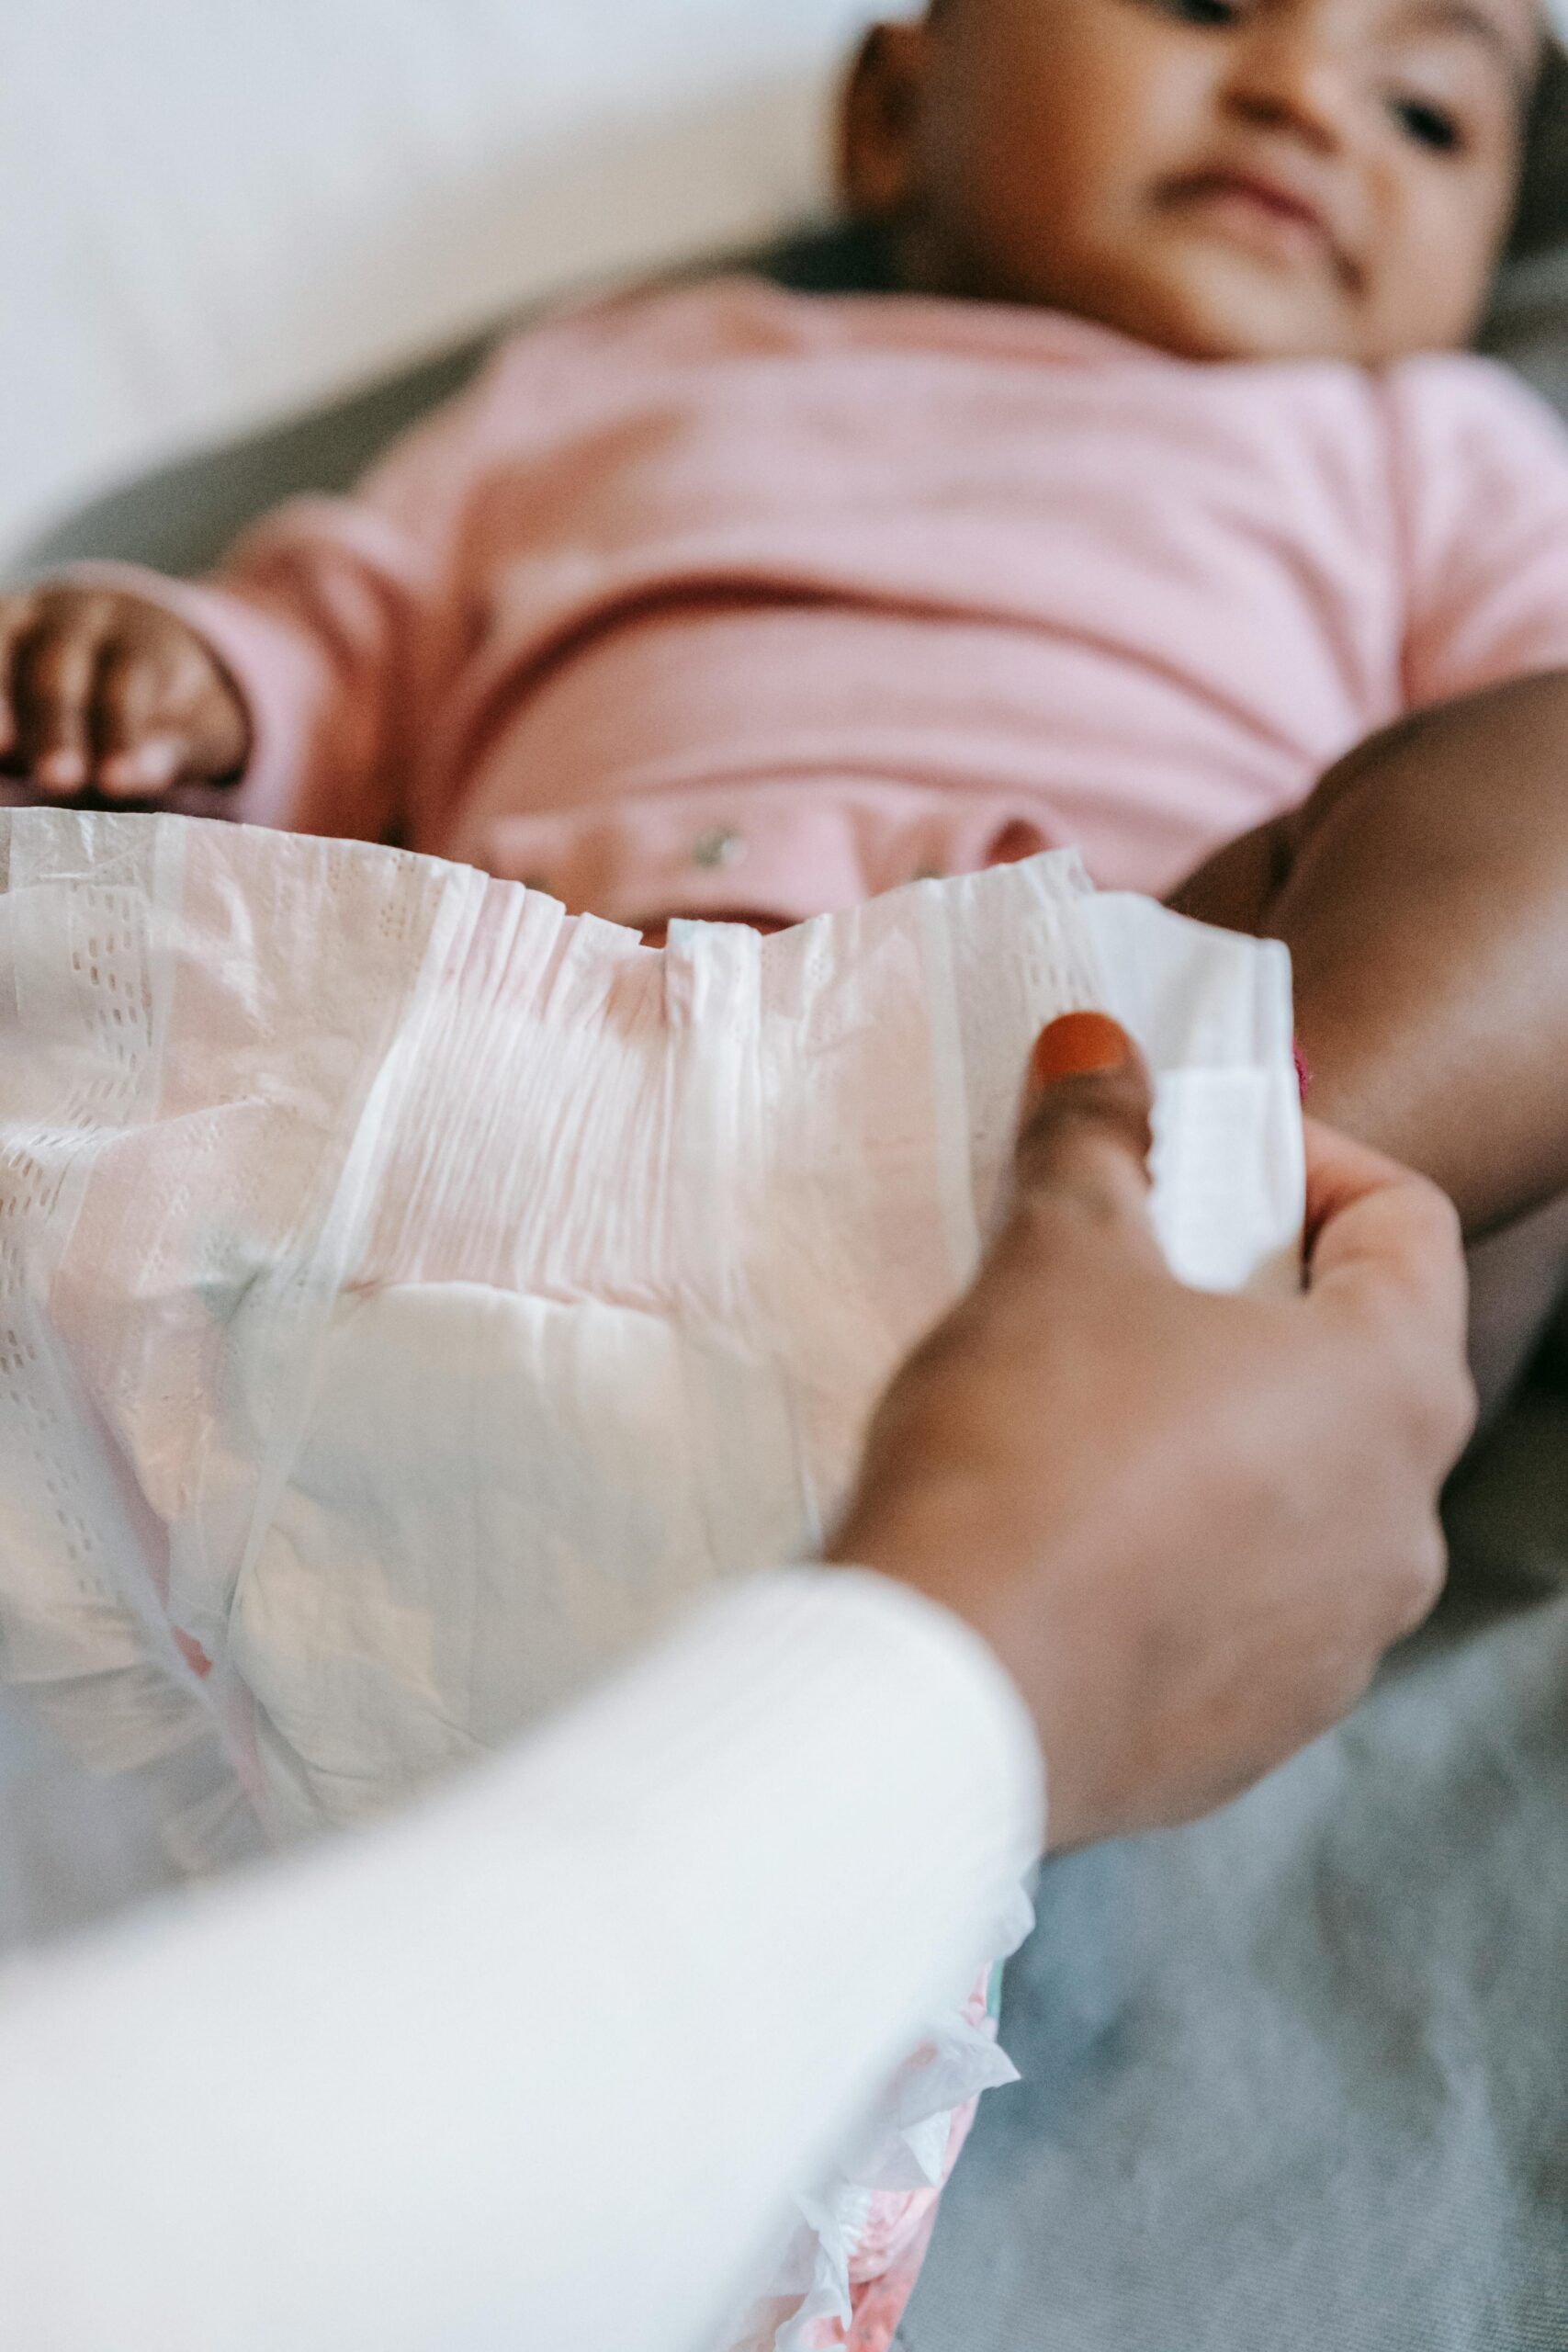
pixel 1076 1046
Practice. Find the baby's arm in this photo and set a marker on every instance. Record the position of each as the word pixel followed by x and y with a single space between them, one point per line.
pixel 284 680
pixel 306 672
pixel 107 692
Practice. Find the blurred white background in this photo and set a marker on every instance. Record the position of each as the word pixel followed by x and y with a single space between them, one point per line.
pixel 215 212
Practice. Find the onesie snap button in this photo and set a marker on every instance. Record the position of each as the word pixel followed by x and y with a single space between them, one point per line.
pixel 720 847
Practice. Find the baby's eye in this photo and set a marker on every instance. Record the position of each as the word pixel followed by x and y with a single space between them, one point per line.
pixel 1205 12
pixel 1428 125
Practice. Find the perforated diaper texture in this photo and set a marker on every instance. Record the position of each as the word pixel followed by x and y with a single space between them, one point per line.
pixel 410 1296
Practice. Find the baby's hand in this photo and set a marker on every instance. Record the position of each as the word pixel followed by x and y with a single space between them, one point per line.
pixel 105 692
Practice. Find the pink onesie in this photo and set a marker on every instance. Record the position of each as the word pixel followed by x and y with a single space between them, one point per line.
pixel 728 600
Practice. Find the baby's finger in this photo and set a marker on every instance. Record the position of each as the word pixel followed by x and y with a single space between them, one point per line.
pixel 219 725
pixel 54 673
pixel 193 727
pixel 16 619
pixel 142 750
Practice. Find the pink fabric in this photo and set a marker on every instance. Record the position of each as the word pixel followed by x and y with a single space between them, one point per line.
pixel 732 599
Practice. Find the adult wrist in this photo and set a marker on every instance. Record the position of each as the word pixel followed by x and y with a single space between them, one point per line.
pixel 950 1554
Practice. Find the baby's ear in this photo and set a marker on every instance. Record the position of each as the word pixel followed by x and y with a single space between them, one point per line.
pixel 879 125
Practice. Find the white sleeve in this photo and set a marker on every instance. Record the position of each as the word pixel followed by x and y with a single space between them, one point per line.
pixel 540 2064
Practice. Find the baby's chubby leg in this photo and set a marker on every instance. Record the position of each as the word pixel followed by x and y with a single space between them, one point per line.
pixel 1423 892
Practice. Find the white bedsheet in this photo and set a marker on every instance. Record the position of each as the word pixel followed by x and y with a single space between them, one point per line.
pixel 211 215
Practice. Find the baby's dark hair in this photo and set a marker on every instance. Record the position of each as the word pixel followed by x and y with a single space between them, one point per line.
pixel 1541 215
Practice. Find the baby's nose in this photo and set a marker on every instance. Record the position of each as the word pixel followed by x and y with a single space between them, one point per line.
pixel 1294 77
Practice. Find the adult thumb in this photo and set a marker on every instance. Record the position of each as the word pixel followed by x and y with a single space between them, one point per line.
pixel 1086 1138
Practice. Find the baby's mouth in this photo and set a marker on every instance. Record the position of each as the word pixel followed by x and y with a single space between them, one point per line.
pixel 1260 213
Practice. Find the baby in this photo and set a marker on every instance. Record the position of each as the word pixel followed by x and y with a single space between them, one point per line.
pixel 1145 504
pixel 1151 507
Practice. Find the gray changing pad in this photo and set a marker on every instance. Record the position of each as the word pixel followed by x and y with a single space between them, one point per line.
pixel 1295 2081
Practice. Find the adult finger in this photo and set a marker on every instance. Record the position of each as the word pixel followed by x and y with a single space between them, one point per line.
pixel 1341 1173
pixel 54 673
pixel 1386 1250
pixel 1084 1148
pixel 16 619
pixel 1371 1223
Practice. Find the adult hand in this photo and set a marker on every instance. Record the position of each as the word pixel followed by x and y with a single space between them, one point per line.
pixel 104 691
pixel 1190 1525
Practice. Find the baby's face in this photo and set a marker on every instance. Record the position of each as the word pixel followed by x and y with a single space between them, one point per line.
pixel 1227 179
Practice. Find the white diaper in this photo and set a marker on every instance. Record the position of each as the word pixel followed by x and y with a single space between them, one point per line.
pixel 410 1296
